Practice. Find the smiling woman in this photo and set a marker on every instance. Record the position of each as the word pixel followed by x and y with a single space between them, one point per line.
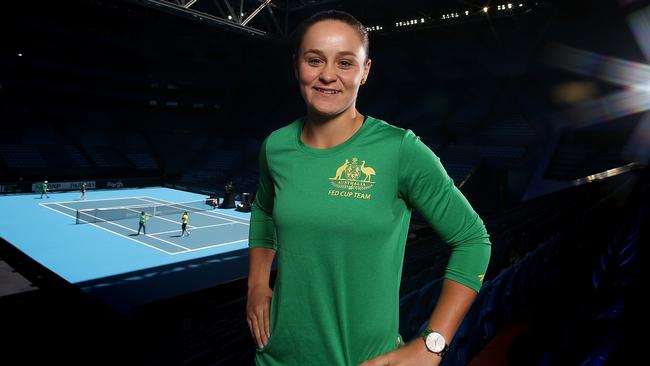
pixel 334 200
pixel 331 63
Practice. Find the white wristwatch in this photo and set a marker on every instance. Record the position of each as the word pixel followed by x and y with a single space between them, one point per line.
pixel 435 342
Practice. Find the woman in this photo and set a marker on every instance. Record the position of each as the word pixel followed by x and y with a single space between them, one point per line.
pixel 184 219
pixel 334 200
pixel 142 223
pixel 44 189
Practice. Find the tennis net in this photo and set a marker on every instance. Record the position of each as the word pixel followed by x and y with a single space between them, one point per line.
pixel 100 214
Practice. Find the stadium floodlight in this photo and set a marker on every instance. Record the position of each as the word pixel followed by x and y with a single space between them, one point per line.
pixel 632 76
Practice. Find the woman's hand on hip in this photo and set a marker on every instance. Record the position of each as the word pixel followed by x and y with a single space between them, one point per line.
pixel 412 354
pixel 258 305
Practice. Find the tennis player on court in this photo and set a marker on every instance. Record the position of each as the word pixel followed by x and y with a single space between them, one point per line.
pixel 143 223
pixel 44 189
pixel 334 201
pixel 83 191
pixel 184 219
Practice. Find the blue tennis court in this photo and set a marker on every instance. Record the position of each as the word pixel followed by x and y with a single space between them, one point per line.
pixel 164 231
pixel 110 260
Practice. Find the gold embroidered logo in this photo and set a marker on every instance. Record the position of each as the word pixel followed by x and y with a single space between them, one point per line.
pixel 347 176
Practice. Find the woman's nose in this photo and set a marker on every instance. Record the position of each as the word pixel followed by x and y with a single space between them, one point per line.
pixel 328 74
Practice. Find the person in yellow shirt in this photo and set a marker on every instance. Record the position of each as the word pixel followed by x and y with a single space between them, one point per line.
pixel 184 219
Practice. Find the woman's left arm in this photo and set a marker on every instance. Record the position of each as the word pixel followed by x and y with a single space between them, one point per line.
pixel 425 186
pixel 454 302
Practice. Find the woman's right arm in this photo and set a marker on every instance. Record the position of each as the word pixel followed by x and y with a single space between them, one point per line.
pixel 259 294
pixel 262 242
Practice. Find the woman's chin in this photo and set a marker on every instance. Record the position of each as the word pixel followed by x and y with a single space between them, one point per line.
pixel 326 110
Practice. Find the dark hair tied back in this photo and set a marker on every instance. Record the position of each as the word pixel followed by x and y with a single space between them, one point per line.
pixel 341 16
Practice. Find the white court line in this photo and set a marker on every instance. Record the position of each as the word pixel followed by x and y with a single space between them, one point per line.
pixel 64 206
pixel 166 232
pixel 160 217
pixel 125 207
pixel 218 245
pixel 211 246
pixel 99 199
pixel 162 250
pixel 127 228
pixel 110 231
pixel 116 224
pixel 196 212
pixel 204 213
pixel 195 228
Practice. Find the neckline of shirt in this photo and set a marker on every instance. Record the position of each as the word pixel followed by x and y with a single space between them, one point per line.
pixel 330 150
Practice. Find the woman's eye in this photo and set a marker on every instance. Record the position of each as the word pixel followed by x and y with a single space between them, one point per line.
pixel 346 63
pixel 313 61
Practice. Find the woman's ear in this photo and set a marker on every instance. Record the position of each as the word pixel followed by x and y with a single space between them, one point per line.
pixel 366 71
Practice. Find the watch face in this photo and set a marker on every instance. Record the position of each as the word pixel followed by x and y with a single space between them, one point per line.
pixel 435 342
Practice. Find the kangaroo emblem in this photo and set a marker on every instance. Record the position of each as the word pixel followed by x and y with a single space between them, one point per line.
pixel 341 169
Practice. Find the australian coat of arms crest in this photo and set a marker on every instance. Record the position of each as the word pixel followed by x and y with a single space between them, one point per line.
pixel 354 176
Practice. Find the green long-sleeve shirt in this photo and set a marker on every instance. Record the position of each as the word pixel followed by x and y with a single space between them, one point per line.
pixel 338 219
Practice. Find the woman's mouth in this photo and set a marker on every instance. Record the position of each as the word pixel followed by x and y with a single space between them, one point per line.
pixel 327 91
